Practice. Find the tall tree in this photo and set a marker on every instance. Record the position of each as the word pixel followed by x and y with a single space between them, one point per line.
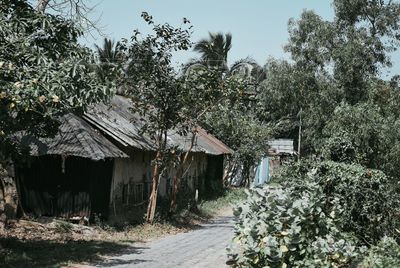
pixel 152 83
pixel 203 89
pixel 79 11
pixel 214 50
pixel 333 80
pixel 214 55
pixel 169 103
pixel 110 60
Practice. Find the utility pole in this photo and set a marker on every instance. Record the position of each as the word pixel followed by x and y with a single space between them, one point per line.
pixel 299 140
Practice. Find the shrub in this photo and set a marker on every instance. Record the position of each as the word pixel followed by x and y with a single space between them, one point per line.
pixel 365 201
pixel 385 254
pixel 323 215
pixel 278 227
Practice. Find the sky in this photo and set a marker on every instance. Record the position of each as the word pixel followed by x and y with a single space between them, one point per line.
pixel 258 27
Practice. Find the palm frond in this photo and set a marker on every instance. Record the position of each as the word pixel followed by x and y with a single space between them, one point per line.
pixel 192 65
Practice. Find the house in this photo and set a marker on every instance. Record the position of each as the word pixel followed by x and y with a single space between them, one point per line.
pixel 279 152
pixel 101 164
pixel 68 175
pixel 131 180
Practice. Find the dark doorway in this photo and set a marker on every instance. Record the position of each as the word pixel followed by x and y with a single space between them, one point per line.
pixel 215 170
pixel 69 187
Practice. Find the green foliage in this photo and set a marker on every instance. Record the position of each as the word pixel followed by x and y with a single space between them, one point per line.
pixel 244 133
pixel 150 78
pixel 44 72
pixel 281 227
pixel 232 119
pixel 167 100
pixel 349 115
pixel 365 133
pixel 110 60
pixel 323 215
pixel 365 201
pixel 354 134
pixel 214 50
pixel 229 197
pixel 385 254
pixel 169 103
pixel 336 65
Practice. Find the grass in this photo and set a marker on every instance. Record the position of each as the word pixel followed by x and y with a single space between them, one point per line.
pixel 210 208
pixel 63 227
pixel 217 205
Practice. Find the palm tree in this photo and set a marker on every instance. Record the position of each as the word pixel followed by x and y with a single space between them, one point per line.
pixel 214 54
pixel 248 68
pixel 214 50
pixel 109 52
pixel 109 58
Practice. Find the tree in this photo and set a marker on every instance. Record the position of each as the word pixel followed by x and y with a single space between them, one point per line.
pixel 110 61
pixel 169 103
pixel 152 83
pixel 243 132
pixel 214 54
pixel 250 69
pixel 204 88
pixel 75 10
pixel 44 73
pixel 334 62
pixel 214 50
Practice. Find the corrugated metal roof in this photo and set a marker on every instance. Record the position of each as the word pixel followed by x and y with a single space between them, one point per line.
pixel 119 123
pixel 74 138
pixel 205 142
pixel 281 146
pixel 214 145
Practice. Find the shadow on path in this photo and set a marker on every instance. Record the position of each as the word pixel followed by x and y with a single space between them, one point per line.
pixel 46 253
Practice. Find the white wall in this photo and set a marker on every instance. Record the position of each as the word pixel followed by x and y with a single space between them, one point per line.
pixel 137 169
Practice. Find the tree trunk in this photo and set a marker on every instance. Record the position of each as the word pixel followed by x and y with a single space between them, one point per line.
pixel 178 175
pixel 151 208
pixel 246 174
pixel 157 172
pixel 228 172
pixel 299 141
pixel 41 5
pixel 3 216
pixel 8 197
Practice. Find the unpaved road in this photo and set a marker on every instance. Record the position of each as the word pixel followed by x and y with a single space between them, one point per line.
pixel 202 247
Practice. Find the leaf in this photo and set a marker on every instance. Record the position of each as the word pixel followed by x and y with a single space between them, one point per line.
pixel 284 248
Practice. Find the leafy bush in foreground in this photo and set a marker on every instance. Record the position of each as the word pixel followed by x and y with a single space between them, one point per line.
pixel 385 254
pixel 365 201
pixel 326 217
pixel 277 227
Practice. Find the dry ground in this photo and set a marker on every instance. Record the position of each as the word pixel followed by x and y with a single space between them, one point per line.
pixel 48 242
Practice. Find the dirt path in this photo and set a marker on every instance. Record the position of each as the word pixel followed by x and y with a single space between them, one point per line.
pixel 203 247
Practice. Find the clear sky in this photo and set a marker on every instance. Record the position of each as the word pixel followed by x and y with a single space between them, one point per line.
pixel 258 27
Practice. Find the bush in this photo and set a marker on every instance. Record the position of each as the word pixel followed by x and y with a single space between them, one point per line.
pixel 365 201
pixel 277 227
pixel 385 254
pixel 323 215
